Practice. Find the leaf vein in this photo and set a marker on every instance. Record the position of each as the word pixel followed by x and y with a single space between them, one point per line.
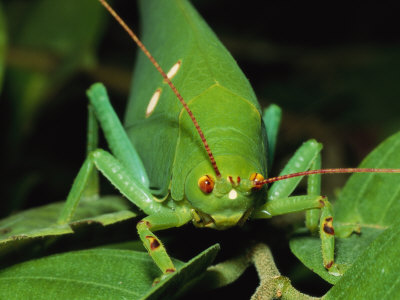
pixel 69 280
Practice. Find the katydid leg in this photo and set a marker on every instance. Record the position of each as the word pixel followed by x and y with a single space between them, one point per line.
pixel 161 216
pixel 115 134
pixel 288 205
pixel 154 246
pixel 313 188
pixel 75 193
pixel 309 202
pixel 272 119
pixel 280 202
pixel 302 160
pixel 92 189
pixel 117 174
pixel 124 169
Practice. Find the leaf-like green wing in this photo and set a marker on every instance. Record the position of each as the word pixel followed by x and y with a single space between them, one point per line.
pixel 98 274
pixel 375 273
pixel 368 201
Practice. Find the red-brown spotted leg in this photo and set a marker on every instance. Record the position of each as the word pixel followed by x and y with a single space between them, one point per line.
pixel 153 245
pixel 327 234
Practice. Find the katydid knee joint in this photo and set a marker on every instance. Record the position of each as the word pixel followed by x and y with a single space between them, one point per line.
pixel 143 223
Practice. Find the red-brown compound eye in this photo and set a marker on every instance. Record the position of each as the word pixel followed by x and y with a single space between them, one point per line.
pixel 206 184
pixel 256 177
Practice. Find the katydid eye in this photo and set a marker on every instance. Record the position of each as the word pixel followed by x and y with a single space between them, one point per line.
pixel 256 177
pixel 206 184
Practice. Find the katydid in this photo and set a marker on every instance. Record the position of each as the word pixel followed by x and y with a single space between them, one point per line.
pixel 202 159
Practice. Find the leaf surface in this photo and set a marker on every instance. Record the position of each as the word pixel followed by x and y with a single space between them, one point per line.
pixel 98 274
pixel 375 273
pixel 38 223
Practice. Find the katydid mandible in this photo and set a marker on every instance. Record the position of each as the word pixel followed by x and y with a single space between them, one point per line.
pixel 202 159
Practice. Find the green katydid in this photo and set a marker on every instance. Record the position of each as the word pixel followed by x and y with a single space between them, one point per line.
pixel 209 173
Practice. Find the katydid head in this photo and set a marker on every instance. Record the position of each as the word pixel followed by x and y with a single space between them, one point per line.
pixel 228 200
pixel 225 201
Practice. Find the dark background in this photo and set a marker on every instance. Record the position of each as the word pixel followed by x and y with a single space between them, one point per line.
pixel 332 67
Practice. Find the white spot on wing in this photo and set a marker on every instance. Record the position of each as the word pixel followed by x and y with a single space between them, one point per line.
pixel 266 212
pixel 153 102
pixel 175 68
pixel 232 194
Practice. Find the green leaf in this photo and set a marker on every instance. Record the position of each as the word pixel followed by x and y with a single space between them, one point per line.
pixel 180 280
pixel 375 273
pixel 308 249
pixel 220 275
pixel 98 274
pixel 370 202
pixel 20 229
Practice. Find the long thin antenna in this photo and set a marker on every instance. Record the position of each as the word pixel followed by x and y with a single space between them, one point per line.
pixel 167 80
pixel 325 171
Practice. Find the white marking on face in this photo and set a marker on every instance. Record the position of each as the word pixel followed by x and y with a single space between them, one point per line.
pixel 153 102
pixel 175 68
pixel 232 194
